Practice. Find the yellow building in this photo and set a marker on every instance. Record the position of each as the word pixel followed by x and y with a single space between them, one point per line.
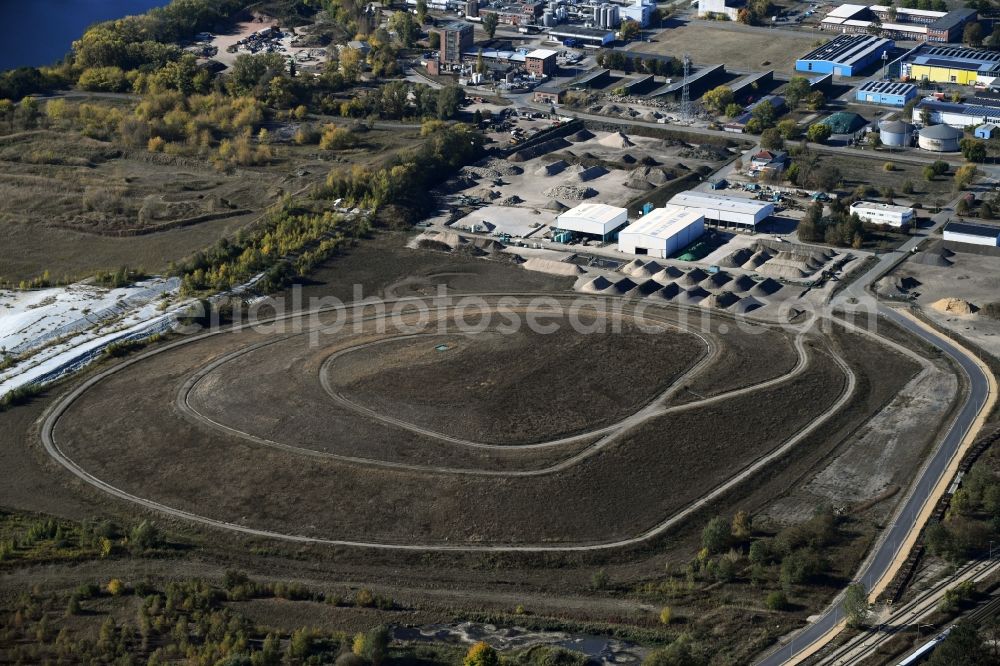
pixel 952 64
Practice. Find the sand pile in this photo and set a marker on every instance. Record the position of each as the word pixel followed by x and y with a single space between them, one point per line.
pixel 632 266
pixel 766 287
pixel 582 135
pixel 486 194
pixel 954 306
pixel 623 286
pixel 715 281
pixel 616 139
pixel 552 169
pixel 722 300
pixel 692 296
pixel 741 284
pixel 647 287
pixel 571 192
pixel 552 267
pixel 692 277
pixel 591 173
pixel 597 285
pixel 783 271
pixel 557 206
pixel 932 258
pixel 450 238
pixel 637 180
pixel 488 244
pixel 647 270
pixel 668 293
pixel 737 258
pixel 756 260
pixel 747 304
pixel 668 274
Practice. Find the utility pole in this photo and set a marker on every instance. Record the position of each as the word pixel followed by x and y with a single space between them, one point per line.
pixel 686 112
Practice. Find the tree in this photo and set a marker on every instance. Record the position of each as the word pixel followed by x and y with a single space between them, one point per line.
pixel 973 150
pixel 973 34
pixel 629 30
pixel 733 110
pixel 764 113
pixel 421 11
pixel 986 211
pixel 250 71
pixel 372 645
pixel 115 587
pixel 875 27
pixel 856 608
pixel 818 133
pixel 434 39
pixel 993 41
pixel 717 535
pixel 599 580
pixel 481 654
pixel 796 91
pixel 816 100
pixel 907 187
pixel 964 176
pixel 665 615
pixel 490 21
pixel 789 129
pixel 929 173
pixel 718 98
pixel 742 525
pixel 480 62
pixel 770 139
pixel 776 601
pixel 406 28
pixel 449 101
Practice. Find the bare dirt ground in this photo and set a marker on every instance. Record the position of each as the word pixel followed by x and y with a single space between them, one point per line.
pixel 963 275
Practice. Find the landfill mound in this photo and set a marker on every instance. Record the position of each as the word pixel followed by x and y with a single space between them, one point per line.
pixel 741 284
pixel 616 139
pixel 597 285
pixel 552 169
pixel 766 287
pixel 716 280
pixel 571 192
pixel 582 135
pixel 954 306
pixel 747 304
pixel 543 148
pixel 591 173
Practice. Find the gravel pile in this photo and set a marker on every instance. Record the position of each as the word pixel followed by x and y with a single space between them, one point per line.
pixel 571 192
pixel 511 201
pixel 493 168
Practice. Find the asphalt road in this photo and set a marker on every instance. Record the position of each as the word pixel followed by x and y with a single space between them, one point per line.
pixel 885 552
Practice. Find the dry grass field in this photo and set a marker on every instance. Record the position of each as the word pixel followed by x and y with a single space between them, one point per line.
pixel 72 205
pixel 740 47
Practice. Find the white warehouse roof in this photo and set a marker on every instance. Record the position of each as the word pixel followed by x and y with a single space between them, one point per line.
pixel 847 11
pixel 726 208
pixel 542 54
pixel 874 205
pixel 664 223
pixel 592 218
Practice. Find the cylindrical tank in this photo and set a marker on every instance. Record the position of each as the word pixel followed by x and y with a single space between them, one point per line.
pixel 548 20
pixel 939 138
pixel 896 133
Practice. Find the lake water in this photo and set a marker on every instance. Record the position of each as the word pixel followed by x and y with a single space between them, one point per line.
pixel 41 32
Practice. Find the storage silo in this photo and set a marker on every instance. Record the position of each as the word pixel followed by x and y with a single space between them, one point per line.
pixel 939 138
pixel 896 133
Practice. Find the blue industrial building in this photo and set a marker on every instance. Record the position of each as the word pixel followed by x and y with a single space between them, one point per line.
pixel 847 55
pixel 986 131
pixel 889 93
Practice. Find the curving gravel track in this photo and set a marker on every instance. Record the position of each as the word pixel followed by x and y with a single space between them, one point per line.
pixel 55 412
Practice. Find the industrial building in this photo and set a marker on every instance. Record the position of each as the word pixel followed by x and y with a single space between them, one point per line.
pixel 955 114
pixel 592 219
pixel 571 35
pixel 847 55
pixel 725 210
pixel 548 93
pixel 662 232
pixel 951 64
pixel 918 25
pixel 456 38
pixel 986 131
pixel 939 138
pixel 719 7
pixel 972 234
pixel 640 11
pixel 896 133
pixel 700 82
pixel 885 214
pixel 517 12
pixel 541 62
pixel 889 93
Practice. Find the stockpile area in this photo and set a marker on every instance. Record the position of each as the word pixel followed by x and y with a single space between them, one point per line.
pixel 798 263
pixel 720 290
